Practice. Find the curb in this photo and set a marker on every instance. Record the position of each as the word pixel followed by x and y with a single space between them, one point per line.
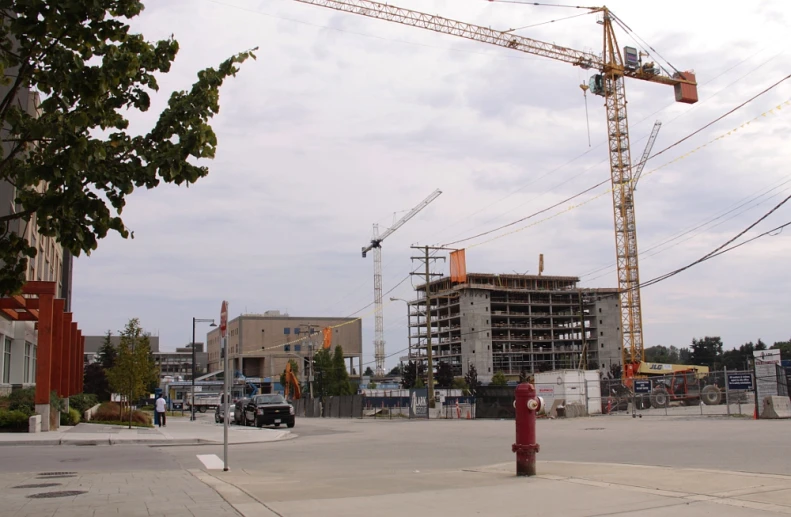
pixel 176 442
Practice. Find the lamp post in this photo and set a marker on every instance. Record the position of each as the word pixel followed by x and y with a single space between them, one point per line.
pixel 194 321
pixel 408 330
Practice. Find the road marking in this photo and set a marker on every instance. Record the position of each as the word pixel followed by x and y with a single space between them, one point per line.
pixel 211 461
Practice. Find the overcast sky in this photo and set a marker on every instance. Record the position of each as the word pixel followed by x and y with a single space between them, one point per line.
pixel 344 121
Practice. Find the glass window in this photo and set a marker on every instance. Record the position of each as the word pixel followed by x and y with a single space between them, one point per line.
pixel 287 348
pixel 7 360
pixel 296 330
pixel 35 352
pixel 287 330
pixel 28 350
pixel 297 348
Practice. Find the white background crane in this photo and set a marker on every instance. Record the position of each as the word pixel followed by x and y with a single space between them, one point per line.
pixel 376 245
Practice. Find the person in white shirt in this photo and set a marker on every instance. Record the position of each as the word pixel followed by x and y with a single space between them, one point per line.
pixel 161 409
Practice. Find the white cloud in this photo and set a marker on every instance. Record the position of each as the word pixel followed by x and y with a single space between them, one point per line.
pixel 342 121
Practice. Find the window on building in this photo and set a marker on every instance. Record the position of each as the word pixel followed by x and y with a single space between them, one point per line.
pixel 602 345
pixel 296 330
pixel 287 348
pixel 600 322
pixel 297 348
pixel 599 310
pixel 601 333
pixel 35 351
pixel 7 361
pixel 287 330
pixel 28 351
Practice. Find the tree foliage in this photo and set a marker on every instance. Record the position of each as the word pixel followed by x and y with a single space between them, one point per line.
pixel 411 374
pixel 368 372
pixel 667 355
pixel 471 379
pixel 332 378
pixel 134 370
pixel 95 382
pixel 707 352
pixel 107 353
pixel 395 372
pixel 785 349
pixel 72 158
pixel 498 379
pixel 444 375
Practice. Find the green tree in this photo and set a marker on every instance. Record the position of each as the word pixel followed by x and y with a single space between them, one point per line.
pixel 411 374
pixel 90 70
pixel 666 355
pixel 107 353
pixel 340 376
pixel 95 382
pixel 322 370
pixel 498 379
pixel 444 376
pixel 471 379
pixel 395 372
pixel 133 369
pixel 707 352
pixel 785 349
pixel 368 372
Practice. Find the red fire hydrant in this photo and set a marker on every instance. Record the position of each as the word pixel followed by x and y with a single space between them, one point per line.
pixel 527 404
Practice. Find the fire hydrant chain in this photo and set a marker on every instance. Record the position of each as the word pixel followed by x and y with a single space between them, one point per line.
pixel 527 405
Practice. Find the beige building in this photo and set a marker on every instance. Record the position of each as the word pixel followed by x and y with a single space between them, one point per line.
pixel 260 345
pixel 19 339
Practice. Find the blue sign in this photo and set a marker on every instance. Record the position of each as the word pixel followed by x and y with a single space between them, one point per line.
pixel 740 381
pixel 642 386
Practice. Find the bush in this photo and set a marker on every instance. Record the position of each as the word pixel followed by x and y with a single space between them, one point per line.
pixel 110 412
pixel 15 420
pixel 70 418
pixel 23 400
pixel 83 402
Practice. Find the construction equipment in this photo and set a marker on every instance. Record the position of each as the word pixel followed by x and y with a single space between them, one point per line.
pixel 685 386
pixel 613 67
pixel 291 383
pixel 376 245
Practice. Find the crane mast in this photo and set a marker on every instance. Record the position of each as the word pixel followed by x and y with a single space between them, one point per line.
pixel 376 246
pixel 613 68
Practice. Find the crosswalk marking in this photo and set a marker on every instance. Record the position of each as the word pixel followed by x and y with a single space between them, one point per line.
pixel 211 461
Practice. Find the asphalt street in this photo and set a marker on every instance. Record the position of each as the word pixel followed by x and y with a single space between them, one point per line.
pixel 326 445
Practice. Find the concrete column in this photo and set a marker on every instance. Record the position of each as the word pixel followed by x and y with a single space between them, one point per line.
pixel 57 346
pixel 66 354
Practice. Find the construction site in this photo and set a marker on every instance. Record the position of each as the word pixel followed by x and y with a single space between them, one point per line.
pixel 515 324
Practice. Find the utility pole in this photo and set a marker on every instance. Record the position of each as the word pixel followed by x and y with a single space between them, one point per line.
pixel 311 332
pixel 427 259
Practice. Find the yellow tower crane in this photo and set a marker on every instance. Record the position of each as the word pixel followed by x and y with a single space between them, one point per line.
pixel 613 67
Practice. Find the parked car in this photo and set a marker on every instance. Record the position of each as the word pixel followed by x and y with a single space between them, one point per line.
pixel 238 414
pixel 219 416
pixel 270 409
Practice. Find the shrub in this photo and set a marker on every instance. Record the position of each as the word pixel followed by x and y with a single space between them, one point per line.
pixel 83 402
pixel 23 400
pixel 72 417
pixel 15 420
pixel 110 412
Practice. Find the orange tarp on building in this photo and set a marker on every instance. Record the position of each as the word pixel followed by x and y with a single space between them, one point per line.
pixel 458 267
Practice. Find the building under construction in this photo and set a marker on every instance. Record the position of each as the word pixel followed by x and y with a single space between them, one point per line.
pixel 516 323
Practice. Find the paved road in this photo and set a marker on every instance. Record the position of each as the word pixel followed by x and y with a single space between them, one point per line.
pixel 445 467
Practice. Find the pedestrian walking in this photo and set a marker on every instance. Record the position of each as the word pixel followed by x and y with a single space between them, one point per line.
pixel 161 409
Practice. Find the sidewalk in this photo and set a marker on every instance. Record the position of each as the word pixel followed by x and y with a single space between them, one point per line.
pixel 177 432
pixel 561 488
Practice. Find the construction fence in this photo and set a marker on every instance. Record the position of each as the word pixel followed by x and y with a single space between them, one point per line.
pixel 413 406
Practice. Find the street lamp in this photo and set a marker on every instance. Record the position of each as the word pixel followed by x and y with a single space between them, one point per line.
pixel 408 330
pixel 194 321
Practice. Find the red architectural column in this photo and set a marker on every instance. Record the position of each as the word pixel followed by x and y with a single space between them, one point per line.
pixel 44 350
pixel 80 361
pixel 73 358
pixel 66 353
pixel 57 346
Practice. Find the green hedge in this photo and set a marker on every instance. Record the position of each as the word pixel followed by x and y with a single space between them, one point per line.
pixel 13 420
pixel 70 418
pixel 83 402
pixel 23 400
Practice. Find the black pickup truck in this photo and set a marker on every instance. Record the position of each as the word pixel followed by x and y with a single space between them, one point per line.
pixel 271 409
